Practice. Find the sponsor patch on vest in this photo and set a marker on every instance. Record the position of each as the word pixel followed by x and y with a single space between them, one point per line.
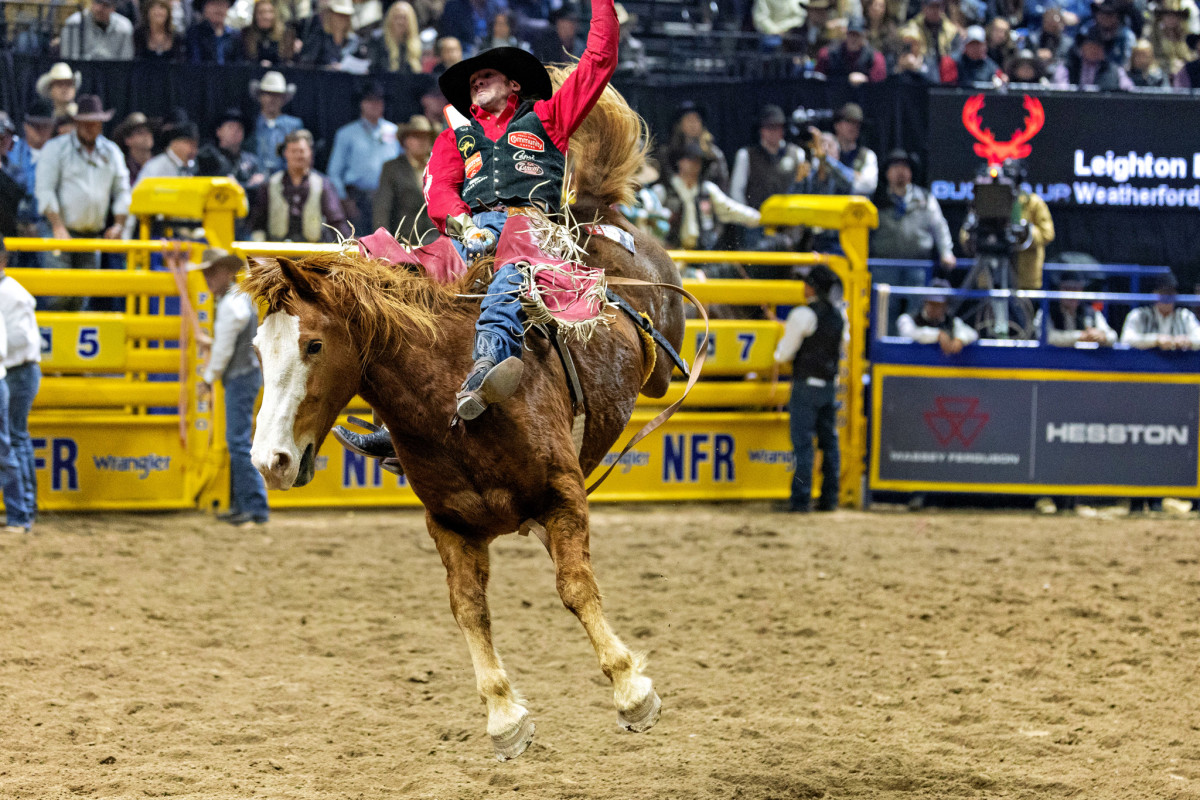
pixel 466 144
pixel 526 141
pixel 474 164
pixel 529 168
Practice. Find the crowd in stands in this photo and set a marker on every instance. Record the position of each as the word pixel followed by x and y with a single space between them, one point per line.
pixel 1104 44
pixel 356 36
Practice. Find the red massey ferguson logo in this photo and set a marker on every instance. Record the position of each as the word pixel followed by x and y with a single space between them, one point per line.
pixel 526 141
pixel 956 418
pixel 998 152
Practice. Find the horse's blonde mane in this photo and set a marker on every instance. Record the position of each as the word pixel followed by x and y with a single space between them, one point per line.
pixel 381 303
pixel 609 148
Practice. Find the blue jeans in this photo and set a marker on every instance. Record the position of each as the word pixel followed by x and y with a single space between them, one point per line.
pixel 813 410
pixel 499 332
pixel 247 494
pixel 20 487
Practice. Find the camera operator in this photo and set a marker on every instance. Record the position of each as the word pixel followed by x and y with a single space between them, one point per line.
pixel 1024 229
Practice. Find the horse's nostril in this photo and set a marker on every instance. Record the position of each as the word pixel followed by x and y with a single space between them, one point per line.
pixel 280 460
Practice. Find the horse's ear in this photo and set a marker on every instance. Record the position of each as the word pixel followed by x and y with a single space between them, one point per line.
pixel 297 277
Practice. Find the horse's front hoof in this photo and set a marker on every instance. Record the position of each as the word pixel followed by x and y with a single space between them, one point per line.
pixel 641 717
pixel 512 744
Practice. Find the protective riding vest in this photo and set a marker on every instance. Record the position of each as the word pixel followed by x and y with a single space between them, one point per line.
pixel 522 168
pixel 820 352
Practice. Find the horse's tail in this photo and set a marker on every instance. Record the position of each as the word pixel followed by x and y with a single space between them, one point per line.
pixel 609 149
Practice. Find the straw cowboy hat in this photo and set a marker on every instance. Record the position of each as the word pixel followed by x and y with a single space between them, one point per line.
pixel 216 257
pixel 274 83
pixel 511 62
pixel 59 72
pixel 417 125
pixel 341 7
pixel 90 109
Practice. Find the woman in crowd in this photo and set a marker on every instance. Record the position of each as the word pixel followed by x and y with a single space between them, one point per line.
pixel 327 44
pixel 156 39
pixel 1143 70
pixel 881 29
pixel 917 65
pixel 501 34
pixel 268 40
pixel 689 128
pixel 396 47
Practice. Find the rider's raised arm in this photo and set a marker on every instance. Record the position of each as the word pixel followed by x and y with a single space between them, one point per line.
pixel 443 181
pixel 563 113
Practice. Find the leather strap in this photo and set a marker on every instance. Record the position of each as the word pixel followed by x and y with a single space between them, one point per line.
pixel 645 324
pixel 697 367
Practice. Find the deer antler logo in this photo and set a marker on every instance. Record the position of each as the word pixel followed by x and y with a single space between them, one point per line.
pixel 1018 146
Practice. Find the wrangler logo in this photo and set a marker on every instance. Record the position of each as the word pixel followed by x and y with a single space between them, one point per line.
pixel 526 141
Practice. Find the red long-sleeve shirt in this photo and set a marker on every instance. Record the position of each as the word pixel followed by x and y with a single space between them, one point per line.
pixel 561 115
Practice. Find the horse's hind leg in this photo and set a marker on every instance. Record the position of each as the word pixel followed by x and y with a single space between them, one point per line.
pixel 633 693
pixel 467 570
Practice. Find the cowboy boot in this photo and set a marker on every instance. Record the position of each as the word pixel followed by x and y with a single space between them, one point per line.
pixel 377 444
pixel 487 383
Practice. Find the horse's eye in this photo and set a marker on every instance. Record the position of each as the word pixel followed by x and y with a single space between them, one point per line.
pixel 314 347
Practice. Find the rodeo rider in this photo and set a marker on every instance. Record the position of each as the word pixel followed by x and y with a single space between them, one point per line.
pixel 504 150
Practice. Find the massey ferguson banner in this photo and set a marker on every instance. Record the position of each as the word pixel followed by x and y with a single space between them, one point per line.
pixel 971 433
pixel 1079 148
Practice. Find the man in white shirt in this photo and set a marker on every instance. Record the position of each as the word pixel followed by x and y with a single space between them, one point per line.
pixel 933 325
pixel 179 159
pixel 1163 324
pixel 1074 322
pixel 22 377
pixel 97 34
pixel 232 360
pixel 81 177
pixel 812 344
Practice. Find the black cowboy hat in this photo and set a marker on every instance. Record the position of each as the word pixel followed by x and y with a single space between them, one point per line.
pixel 898 155
pixel 370 89
pixel 231 114
pixel 511 62
pixel 822 279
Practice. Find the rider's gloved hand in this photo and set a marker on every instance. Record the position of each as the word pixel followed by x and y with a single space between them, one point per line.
pixel 476 241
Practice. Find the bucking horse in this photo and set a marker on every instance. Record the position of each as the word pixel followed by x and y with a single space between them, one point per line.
pixel 341 324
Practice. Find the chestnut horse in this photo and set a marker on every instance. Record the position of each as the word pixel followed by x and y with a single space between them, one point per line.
pixel 339 324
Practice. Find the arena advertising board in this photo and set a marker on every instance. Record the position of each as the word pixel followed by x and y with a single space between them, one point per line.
pixel 117 465
pixel 1079 148
pixel 692 457
pixel 1010 431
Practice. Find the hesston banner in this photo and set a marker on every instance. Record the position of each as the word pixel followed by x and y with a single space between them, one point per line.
pixel 1079 148
pixel 988 434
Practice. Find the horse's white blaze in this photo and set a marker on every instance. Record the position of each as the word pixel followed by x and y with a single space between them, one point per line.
pixel 276 453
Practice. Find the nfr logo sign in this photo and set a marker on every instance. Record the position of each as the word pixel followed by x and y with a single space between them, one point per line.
pixel 64 452
pixel 357 473
pixel 686 455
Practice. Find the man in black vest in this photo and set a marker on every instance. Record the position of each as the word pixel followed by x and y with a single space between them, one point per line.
pixel 812 342
pixel 1087 66
pixel 764 169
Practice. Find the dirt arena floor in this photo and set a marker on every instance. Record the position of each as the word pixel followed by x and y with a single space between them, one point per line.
pixel 881 655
